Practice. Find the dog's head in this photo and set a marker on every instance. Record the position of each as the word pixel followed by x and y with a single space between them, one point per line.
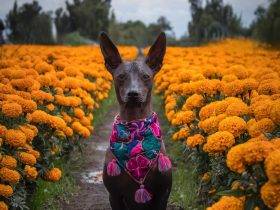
pixel 133 79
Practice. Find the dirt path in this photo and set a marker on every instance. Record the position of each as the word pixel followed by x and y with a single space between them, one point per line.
pixel 92 194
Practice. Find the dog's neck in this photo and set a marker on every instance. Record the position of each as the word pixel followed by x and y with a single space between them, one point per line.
pixel 129 112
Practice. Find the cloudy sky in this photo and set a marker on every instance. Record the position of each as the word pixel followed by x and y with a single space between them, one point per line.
pixel 176 11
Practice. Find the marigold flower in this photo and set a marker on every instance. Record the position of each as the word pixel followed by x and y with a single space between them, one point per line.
pixel 79 113
pixel 270 194
pixel 53 174
pixel 6 190
pixel 183 117
pixel 228 202
pixel 50 107
pixel 262 109
pixel 269 88
pixel 193 141
pixel 181 134
pixel 3 206
pixel 229 78
pixel 80 129
pixel 11 109
pixel 272 166
pixel 15 138
pixel 218 142
pixel 39 95
pixel 29 133
pixel 247 154
pixel 234 125
pixel 210 125
pixel 27 158
pixel 9 175
pixel 8 161
pixel 68 101
pixel 85 121
pixel 237 109
pixel 275 112
pixel 194 101
pixel 265 125
pixel 30 172
pixel 213 109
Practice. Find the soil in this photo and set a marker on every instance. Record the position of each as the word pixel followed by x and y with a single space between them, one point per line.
pixel 92 194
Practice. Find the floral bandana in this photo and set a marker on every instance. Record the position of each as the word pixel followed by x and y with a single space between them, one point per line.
pixel 136 146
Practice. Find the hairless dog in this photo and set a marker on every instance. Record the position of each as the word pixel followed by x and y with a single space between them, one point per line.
pixel 137 172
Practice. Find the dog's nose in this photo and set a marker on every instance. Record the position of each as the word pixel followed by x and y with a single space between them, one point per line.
pixel 133 94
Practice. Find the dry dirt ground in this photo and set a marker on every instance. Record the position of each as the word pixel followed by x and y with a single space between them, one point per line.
pixel 92 194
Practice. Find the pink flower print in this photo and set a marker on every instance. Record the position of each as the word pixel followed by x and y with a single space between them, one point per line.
pixel 136 150
pixel 138 166
pixel 155 129
pixel 114 135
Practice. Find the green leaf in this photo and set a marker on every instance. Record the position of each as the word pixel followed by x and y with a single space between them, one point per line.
pixel 236 192
pixel 250 203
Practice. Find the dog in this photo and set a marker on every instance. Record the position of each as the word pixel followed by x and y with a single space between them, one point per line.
pixel 137 173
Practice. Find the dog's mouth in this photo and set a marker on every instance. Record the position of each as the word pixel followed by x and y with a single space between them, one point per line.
pixel 134 101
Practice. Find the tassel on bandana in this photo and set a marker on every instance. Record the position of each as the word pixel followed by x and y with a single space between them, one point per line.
pixel 136 147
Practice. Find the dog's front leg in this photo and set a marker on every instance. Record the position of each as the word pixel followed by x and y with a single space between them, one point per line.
pixel 116 203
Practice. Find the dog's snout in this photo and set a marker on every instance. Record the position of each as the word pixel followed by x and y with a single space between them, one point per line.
pixel 133 94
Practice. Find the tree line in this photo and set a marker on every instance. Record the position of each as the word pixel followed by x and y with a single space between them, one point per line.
pixel 86 18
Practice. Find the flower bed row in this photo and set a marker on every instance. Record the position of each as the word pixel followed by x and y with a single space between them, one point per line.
pixel 224 101
pixel 47 98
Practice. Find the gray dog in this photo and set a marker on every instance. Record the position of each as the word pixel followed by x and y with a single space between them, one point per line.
pixel 137 172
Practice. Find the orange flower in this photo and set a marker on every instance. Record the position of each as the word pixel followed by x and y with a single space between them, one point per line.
pixel 272 166
pixel 219 142
pixel 247 154
pixel 270 194
pixel 15 138
pixel 8 161
pixel 30 172
pixel 3 206
pixel 195 140
pixel 53 175
pixel 234 125
pixel 27 158
pixel 11 109
pixel 6 190
pixel 9 175
pixel 228 202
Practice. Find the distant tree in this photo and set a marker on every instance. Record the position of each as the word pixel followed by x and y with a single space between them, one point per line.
pixel 266 26
pixel 154 29
pixel 89 17
pixel 136 32
pixel 63 25
pixel 2 27
pixel 29 25
pixel 213 21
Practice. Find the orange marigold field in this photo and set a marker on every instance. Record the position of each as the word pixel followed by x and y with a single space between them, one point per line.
pixel 47 98
pixel 224 100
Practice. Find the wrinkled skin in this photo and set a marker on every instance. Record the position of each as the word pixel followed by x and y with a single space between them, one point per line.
pixel 133 81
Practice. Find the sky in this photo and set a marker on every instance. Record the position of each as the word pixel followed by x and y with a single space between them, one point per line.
pixel 176 11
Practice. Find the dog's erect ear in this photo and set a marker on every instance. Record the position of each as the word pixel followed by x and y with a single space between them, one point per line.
pixel 156 53
pixel 110 52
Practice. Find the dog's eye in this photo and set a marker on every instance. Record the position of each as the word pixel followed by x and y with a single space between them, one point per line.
pixel 146 76
pixel 121 76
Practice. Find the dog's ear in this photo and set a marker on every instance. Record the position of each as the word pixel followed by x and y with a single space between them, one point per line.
pixel 156 53
pixel 110 52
